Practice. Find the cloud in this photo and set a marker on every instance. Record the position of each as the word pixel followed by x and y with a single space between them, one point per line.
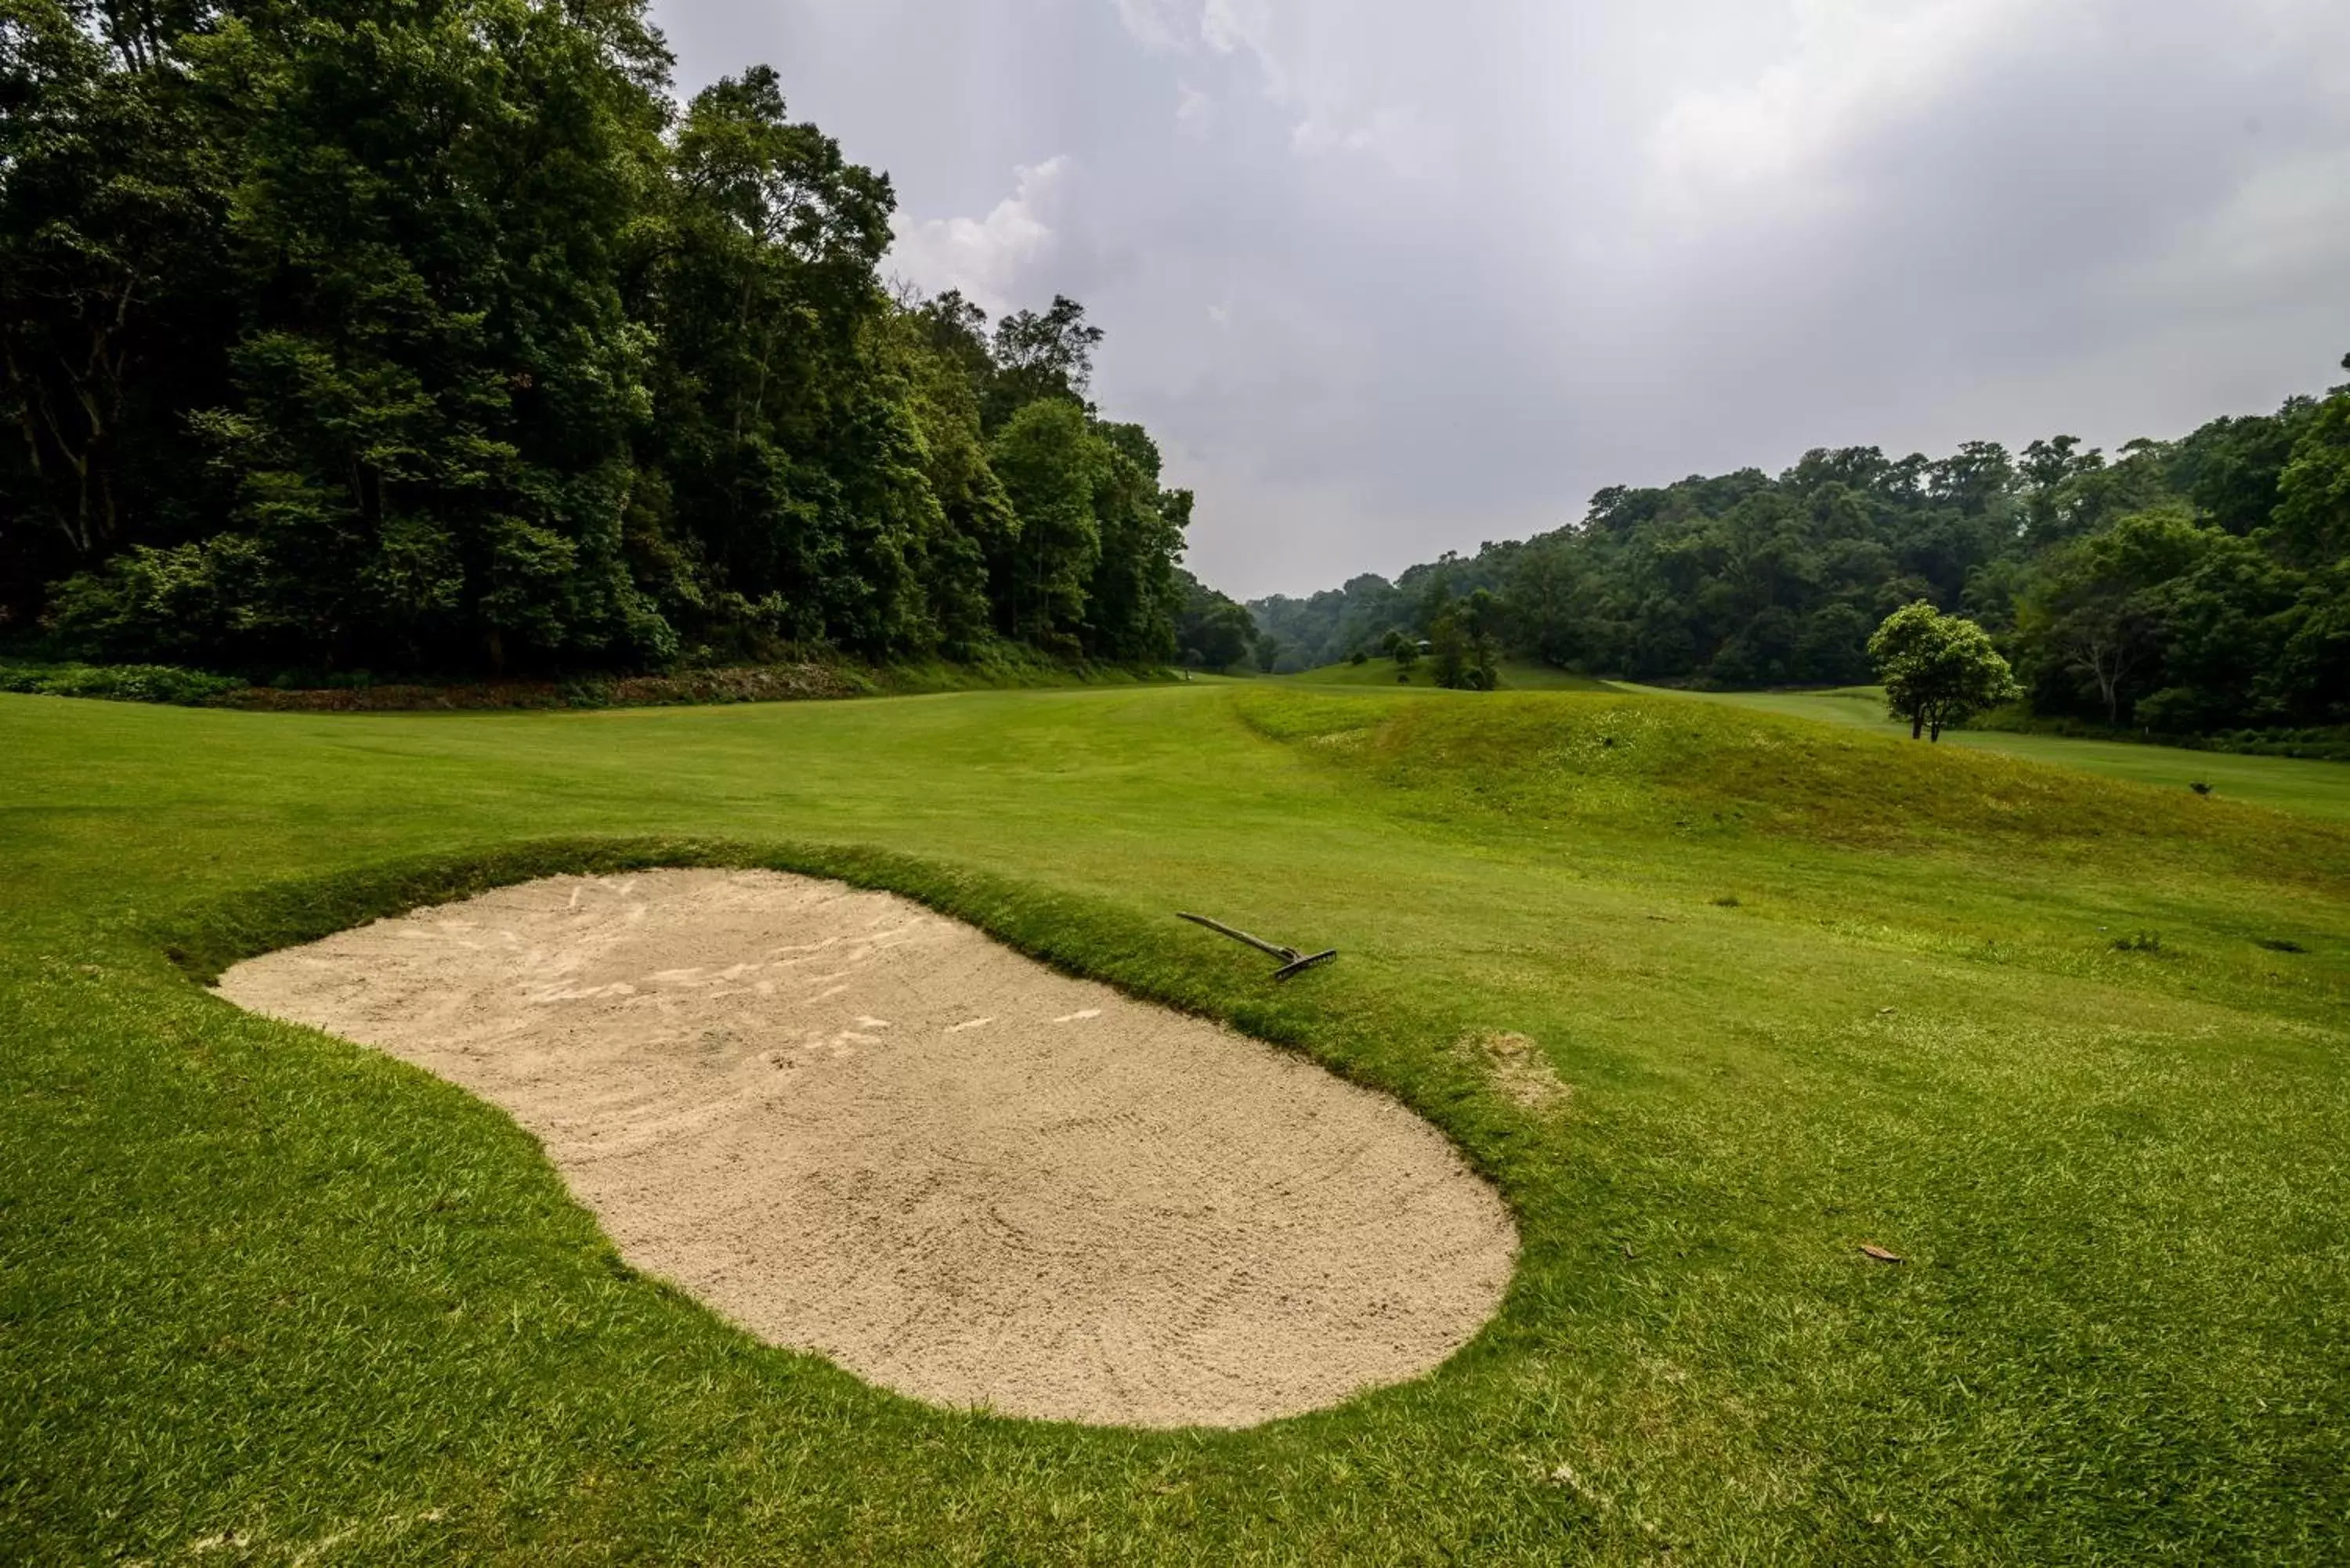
pixel 991 259
pixel 1163 24
pixel 2282 233
pixel 1232 26
pixel 1193 108
pixel 1399 139
pixel 1332 103
pixel 1851 67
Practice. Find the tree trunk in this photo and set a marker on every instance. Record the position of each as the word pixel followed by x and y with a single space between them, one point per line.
pixel 2106 665
pixel 1916 723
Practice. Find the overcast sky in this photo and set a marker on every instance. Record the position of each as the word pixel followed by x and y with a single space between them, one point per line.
pixel 1387 278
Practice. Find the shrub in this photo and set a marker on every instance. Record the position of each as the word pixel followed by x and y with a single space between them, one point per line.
pixel 119 682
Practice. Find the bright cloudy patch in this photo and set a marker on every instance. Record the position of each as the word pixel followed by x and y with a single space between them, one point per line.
pixel 989 258
pixel 1849 67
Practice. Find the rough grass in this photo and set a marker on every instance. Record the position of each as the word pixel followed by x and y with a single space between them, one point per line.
pixel 265 1296
pixel 2302 785
pixel 1709 771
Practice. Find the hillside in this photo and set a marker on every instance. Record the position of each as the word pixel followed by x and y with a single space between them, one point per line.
pixel 2181 586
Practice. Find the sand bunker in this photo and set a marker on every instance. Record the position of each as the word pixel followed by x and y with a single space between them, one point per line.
pixel 855 1126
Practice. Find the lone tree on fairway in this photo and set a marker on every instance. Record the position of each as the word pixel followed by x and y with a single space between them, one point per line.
pixel 1938 668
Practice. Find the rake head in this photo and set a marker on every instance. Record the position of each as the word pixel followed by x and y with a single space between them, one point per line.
pixel 1292 960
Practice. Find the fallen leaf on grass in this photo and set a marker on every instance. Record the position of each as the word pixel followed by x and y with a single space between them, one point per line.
pixel 1869 1249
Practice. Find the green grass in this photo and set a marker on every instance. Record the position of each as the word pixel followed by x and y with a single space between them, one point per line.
pixel 265 1296
pixel 2319 788
pixel 1517 675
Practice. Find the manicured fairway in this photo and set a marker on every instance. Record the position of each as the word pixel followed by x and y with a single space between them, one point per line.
pixel 2077 1050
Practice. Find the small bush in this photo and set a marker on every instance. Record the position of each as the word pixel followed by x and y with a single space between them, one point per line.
pixel 119 682
pixel 2321 744
pixel 2139 942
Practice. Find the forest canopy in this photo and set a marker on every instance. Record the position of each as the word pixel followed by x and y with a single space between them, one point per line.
pixel 439 337
pixel 2181 586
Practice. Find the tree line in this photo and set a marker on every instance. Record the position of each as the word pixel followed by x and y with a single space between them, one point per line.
pixel 2182 586
pixel 440 337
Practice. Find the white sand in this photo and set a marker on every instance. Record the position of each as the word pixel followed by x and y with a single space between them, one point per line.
pixel 858 1128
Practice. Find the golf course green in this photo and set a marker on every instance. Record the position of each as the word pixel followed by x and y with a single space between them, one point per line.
pixel 2068 1053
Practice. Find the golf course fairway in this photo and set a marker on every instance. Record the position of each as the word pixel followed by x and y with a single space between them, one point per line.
pixel 2069 1055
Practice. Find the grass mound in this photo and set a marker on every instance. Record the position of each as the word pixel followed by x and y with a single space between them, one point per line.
pixel 1676 767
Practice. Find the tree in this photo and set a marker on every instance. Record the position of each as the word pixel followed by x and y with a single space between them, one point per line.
pixel 1403 648
pixel 789 428
pixel 1212 631
pixel 2046 469
pixel 1132 600
pixel 2096 608
pixel 1464 643
pixel 1052 465
pixel 1332 624
pixel 2195 585
pixel 2310 525
pixel 1268 652
pixel 1448 650
pixel 1041 354
pixel 113 247
pixel 438 337
pixel 1937 669
pixel 425 447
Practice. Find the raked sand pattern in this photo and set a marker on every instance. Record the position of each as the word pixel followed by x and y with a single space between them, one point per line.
pixel 858 1128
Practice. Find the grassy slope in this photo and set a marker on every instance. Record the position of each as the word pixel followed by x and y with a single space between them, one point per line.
pixel 2288 784
pixel 259 1285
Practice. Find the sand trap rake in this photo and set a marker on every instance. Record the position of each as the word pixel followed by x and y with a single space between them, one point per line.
pixel 1292 960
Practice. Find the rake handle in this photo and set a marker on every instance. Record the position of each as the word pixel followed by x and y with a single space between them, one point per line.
pixel 1270 950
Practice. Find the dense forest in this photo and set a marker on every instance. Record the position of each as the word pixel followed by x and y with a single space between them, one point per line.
pixel 439 337
pixel 2179 586
pixel 442 339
